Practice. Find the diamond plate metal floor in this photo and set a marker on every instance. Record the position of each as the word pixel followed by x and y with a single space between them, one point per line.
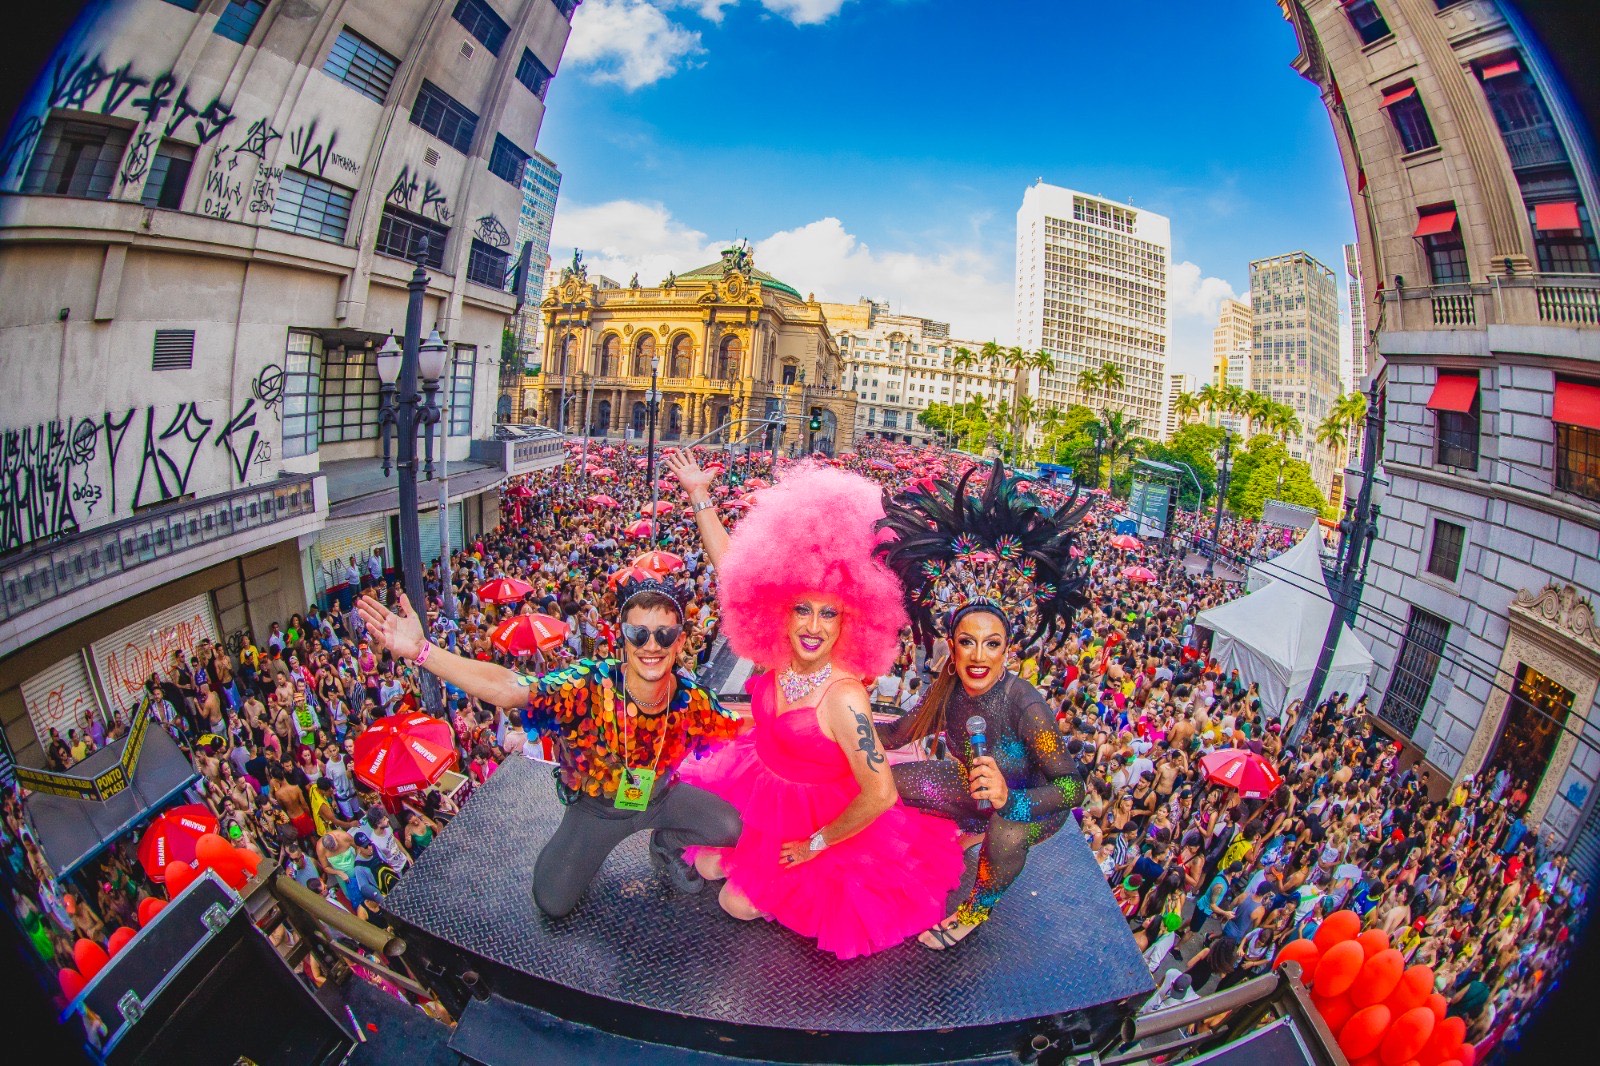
pixel 634 958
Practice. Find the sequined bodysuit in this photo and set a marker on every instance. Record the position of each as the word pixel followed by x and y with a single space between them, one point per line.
pixel 1041 777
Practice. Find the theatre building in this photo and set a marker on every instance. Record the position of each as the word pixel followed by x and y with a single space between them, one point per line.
pixel 209 213
pixel 1474 186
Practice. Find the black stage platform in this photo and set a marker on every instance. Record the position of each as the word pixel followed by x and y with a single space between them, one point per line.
pixel 637 961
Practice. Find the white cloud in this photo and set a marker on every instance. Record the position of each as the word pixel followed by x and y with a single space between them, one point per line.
pixel 711 10
pixel 799 12
pixel 964 287
pixel 1191 293
pixel 630 42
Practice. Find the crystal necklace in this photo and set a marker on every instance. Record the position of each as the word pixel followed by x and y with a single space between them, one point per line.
pixel 797 687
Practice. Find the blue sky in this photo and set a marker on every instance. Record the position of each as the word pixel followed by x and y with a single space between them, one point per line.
pixel 881 147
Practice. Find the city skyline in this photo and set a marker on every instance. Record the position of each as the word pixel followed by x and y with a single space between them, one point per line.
pixel 911 202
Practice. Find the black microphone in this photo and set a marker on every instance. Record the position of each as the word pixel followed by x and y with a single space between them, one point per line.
pixel 976 733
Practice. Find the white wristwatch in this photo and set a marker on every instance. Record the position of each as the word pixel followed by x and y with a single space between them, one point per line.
pixel 702 505
pixel 818 841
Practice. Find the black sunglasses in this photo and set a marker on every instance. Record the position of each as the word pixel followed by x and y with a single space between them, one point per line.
pixel 639 636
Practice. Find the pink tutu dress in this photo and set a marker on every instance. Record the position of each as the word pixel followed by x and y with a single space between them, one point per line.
pixel 788 780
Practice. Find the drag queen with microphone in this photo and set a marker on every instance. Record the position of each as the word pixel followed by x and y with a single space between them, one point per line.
pixel 827 850
pixel 988 573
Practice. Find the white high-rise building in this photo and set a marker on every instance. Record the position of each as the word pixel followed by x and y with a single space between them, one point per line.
pixel 1358 317
pixel 1177 385
pixel 1091 290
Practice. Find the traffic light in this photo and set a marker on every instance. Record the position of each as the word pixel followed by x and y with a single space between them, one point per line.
pixel 816 419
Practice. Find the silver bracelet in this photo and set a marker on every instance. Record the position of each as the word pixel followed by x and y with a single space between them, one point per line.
pixel 702 505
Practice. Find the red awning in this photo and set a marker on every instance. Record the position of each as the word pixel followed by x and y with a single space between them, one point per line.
pixel 1398 93
pixel 1562 214
pixel 1577 404
pixel 1454 392
pixel 1501 68
pixel 1432 223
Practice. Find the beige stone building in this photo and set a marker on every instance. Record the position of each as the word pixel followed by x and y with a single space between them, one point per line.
pixel 730 342
pixel 1474 195
pixel 1230 340
pixel 207 215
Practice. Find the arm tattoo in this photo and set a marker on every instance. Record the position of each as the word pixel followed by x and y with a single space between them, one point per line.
pixel 868 742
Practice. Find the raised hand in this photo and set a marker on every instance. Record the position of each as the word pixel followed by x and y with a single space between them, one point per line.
pixel 688 472
pixel 399 631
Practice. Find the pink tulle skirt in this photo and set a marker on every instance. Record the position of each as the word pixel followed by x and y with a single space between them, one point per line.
pixel 866 893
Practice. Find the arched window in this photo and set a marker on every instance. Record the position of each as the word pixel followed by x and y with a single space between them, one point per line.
pixel 728 353
pixel 674 422
pixel 610 355
pixel 640 413
pixel 678 366
pixel 602 419
pixel 644 349
pixel 564 354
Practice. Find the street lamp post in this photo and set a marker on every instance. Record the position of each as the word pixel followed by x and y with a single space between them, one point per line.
pixel 651 402
pixel 1224 463
pixel 1357 532
pixel 406 412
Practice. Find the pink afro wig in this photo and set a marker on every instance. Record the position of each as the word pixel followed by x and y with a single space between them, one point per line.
pixel 812 534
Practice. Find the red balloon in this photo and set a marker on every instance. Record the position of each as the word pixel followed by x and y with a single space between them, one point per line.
pixel 1336 927
pixel 1467 1054
pixel 1335 1010
pixel 72 982
pixel 1445 1039
pixel 1373 941
pixel 1406 1036
pixel 1302 951
pixel 119 939
pixel 1412 991
pixel 233 875
pixel 1338 968
pixel 1366 1060
pixel 211 849
pixel 248 860
pixel 90 957
pixel 1451 1062
pixel 149 907
pixel 1438 1004
pixel 179 876
pixel 1379 976
pixel 1362 1033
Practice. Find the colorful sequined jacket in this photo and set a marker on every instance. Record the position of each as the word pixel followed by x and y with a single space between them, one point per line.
pixel 581 708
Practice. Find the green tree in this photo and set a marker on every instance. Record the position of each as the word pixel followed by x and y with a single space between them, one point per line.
pixel 1194 446
pixel 510 358
pixel 1264 471
pixel 1185 406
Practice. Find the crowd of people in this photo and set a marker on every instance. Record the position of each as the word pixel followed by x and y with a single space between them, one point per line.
pixel 1212 885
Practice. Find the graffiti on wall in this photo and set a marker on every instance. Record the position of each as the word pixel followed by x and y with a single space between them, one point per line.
pixel 60 476
pixel 404 193
pixel 492 231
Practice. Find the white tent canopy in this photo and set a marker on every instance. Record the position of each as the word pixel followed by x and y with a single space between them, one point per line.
pixel 1273 635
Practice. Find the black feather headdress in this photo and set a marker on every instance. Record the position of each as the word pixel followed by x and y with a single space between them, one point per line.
pixel 1001 548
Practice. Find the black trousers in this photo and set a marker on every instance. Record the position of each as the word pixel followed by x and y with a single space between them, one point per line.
pixel 680 815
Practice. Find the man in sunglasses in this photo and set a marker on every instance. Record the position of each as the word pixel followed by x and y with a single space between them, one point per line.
pixel 621 730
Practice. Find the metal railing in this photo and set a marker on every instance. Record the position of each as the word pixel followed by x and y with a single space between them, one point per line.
pixel 1526 299
pixel 40 576
pixel 1534 146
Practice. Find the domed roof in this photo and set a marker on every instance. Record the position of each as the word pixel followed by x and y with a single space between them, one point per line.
pixel 715 271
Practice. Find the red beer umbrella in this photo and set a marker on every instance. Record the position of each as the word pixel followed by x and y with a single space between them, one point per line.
pixel 660 507
pixel 415 724
pixel 171 837
pixel 1245 771
pixel 503 590
pixel 522 633
pixel 659 562
pixel 600 499
pixel 398 763
pixel 629 574
pixel 1126 542
pixel 1138 573
pixel 642 528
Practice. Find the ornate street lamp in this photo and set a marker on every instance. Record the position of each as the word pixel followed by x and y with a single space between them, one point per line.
pixel 652 402
pixel 1224 466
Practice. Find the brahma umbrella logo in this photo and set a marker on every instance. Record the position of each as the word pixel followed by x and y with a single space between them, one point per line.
pixel 422 750
pixel 377 762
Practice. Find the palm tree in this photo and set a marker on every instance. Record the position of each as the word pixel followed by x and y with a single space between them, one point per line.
pixel 1185 406
pixel 1331 432
pixel 1282 422
pixel 1026 410
pixel 1210 397
pixel 1111 378
pixel 1050 421
pixel 1089 382
pixel 1120 434
pixel 1255 407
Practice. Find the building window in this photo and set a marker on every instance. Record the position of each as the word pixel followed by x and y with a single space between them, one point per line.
pixel 75 157
pixel 1563 237
pixel 1454 403
pixel 238 20
pixel 1410 118
pixel 310 206
pixel 1440 233
pixel 400 233
pixel 507 161
pixel 1414 670
pixel 566 7
pixel 463 376
pixel 169 175
pixel 444 116
pixel 1366 20
pixel 302 393
pixel 1520 113
pixel 533 74
pixel 891 419
pixel 1444 558
pixel 362 65
pixel 349 396
pixel 1577 419
pixel 487 265
pixel 482 22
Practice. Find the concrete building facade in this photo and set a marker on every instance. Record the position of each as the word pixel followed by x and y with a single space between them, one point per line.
pixel 1230 340
pixel 731 342
pixel 898 364
pixel 1092 289
pixel 1294 350
pixel 1474 188
pixel 207 217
